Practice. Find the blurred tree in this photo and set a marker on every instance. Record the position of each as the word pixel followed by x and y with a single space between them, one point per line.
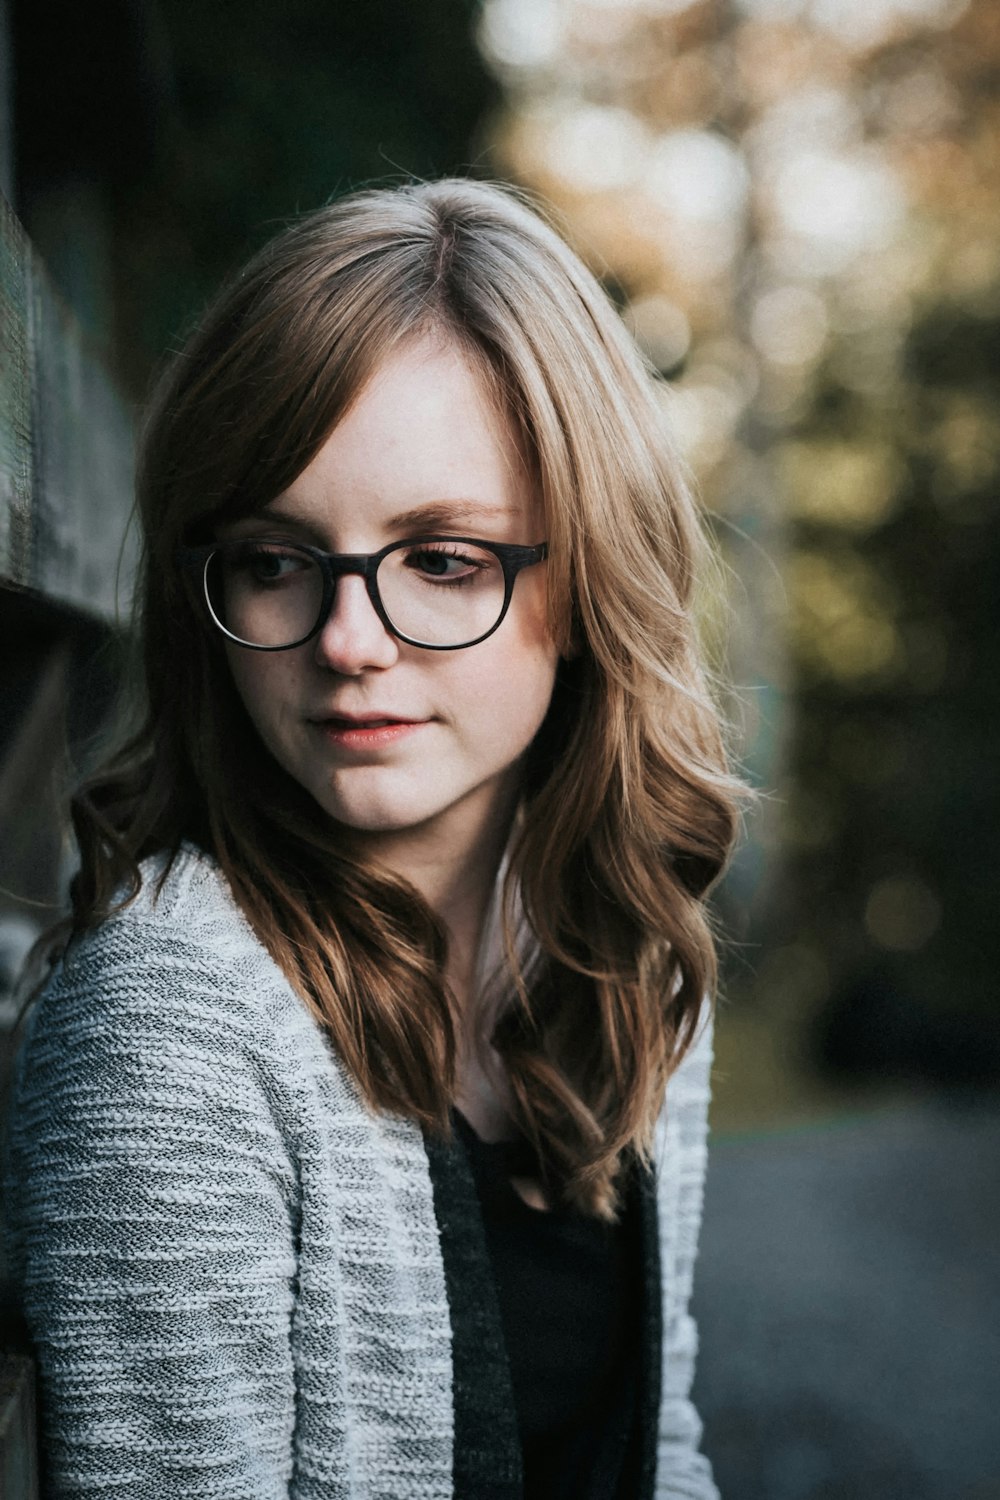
pixel 892 470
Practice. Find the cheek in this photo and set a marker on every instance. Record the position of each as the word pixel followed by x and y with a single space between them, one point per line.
pixel 258 679
pixel 246 679
pixel 508 698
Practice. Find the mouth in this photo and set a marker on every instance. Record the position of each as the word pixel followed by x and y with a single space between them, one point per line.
pixel 362 721
pixel 363 731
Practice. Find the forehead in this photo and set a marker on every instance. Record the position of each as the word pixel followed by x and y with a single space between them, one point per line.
pixel 426 429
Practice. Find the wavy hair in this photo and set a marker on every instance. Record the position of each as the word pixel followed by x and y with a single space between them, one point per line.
pixel 629 810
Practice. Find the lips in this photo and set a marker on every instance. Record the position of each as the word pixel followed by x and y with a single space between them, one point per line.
pixel 366 734
pixel 363 721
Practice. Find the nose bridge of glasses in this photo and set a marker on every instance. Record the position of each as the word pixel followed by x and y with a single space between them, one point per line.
pixel 345 565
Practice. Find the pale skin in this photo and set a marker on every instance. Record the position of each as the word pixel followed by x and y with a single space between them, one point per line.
pixel 422 450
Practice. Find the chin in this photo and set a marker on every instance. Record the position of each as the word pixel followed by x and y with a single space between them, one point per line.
pixel 376 822
pixel 373 817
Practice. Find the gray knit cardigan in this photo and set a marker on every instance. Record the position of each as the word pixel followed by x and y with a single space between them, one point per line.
pixel 231 1268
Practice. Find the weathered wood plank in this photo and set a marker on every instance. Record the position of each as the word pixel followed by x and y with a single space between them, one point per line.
pixel 16 470
pixel 18 1466
pixel 65 447
pixel 6 105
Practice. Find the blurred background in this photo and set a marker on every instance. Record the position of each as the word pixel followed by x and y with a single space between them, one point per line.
pixel 795 205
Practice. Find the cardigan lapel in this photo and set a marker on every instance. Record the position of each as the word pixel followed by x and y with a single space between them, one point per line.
pixel 487 1455
pixel 651 1337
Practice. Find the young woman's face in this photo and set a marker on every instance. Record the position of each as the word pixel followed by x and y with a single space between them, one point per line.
pixel 389 738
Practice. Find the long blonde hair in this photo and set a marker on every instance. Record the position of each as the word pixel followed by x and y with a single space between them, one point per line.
pixel 629 810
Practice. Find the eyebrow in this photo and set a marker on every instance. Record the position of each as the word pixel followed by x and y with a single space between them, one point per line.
pixel 438 515
pixel 444 513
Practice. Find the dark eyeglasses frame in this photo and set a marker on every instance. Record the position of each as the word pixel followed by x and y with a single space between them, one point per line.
pixel 334 565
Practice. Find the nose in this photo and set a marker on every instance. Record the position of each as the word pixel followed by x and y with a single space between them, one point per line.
pixel 353 638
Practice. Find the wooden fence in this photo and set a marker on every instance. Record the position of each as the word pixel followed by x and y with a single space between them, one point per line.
pixel 66 568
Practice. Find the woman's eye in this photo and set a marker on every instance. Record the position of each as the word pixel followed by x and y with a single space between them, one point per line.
pixel 436 562
pixel 268 564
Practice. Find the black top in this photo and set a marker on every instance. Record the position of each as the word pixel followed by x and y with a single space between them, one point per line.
pixel 568 1289
pixel 488 1459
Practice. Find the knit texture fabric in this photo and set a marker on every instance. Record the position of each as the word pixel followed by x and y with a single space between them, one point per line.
pixel 231 1268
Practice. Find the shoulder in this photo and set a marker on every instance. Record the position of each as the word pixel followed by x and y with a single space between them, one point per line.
pixel 181 944
pixel 183 899
pixel 174 987
pixel 165 1035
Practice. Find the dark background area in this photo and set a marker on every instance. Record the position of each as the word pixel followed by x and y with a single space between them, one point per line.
pixel 182 135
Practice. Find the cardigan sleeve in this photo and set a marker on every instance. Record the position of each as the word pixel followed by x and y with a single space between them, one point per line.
pixel 682 1471
pixel 149 1209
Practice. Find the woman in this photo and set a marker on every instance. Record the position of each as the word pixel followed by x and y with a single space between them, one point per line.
pixel 340 1164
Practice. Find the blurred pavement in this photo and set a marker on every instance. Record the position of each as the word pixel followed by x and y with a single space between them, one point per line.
pixel 848 1299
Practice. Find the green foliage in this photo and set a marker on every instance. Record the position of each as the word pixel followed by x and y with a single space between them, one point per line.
pixel 892 868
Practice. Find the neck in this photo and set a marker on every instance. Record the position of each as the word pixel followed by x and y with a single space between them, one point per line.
pixel 455 871
pixel 454 868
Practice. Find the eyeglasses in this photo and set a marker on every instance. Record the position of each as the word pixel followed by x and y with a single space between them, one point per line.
pixel 437 592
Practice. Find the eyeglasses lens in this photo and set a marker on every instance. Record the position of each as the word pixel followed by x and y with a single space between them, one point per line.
pixel 441 593
pixel 264 594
